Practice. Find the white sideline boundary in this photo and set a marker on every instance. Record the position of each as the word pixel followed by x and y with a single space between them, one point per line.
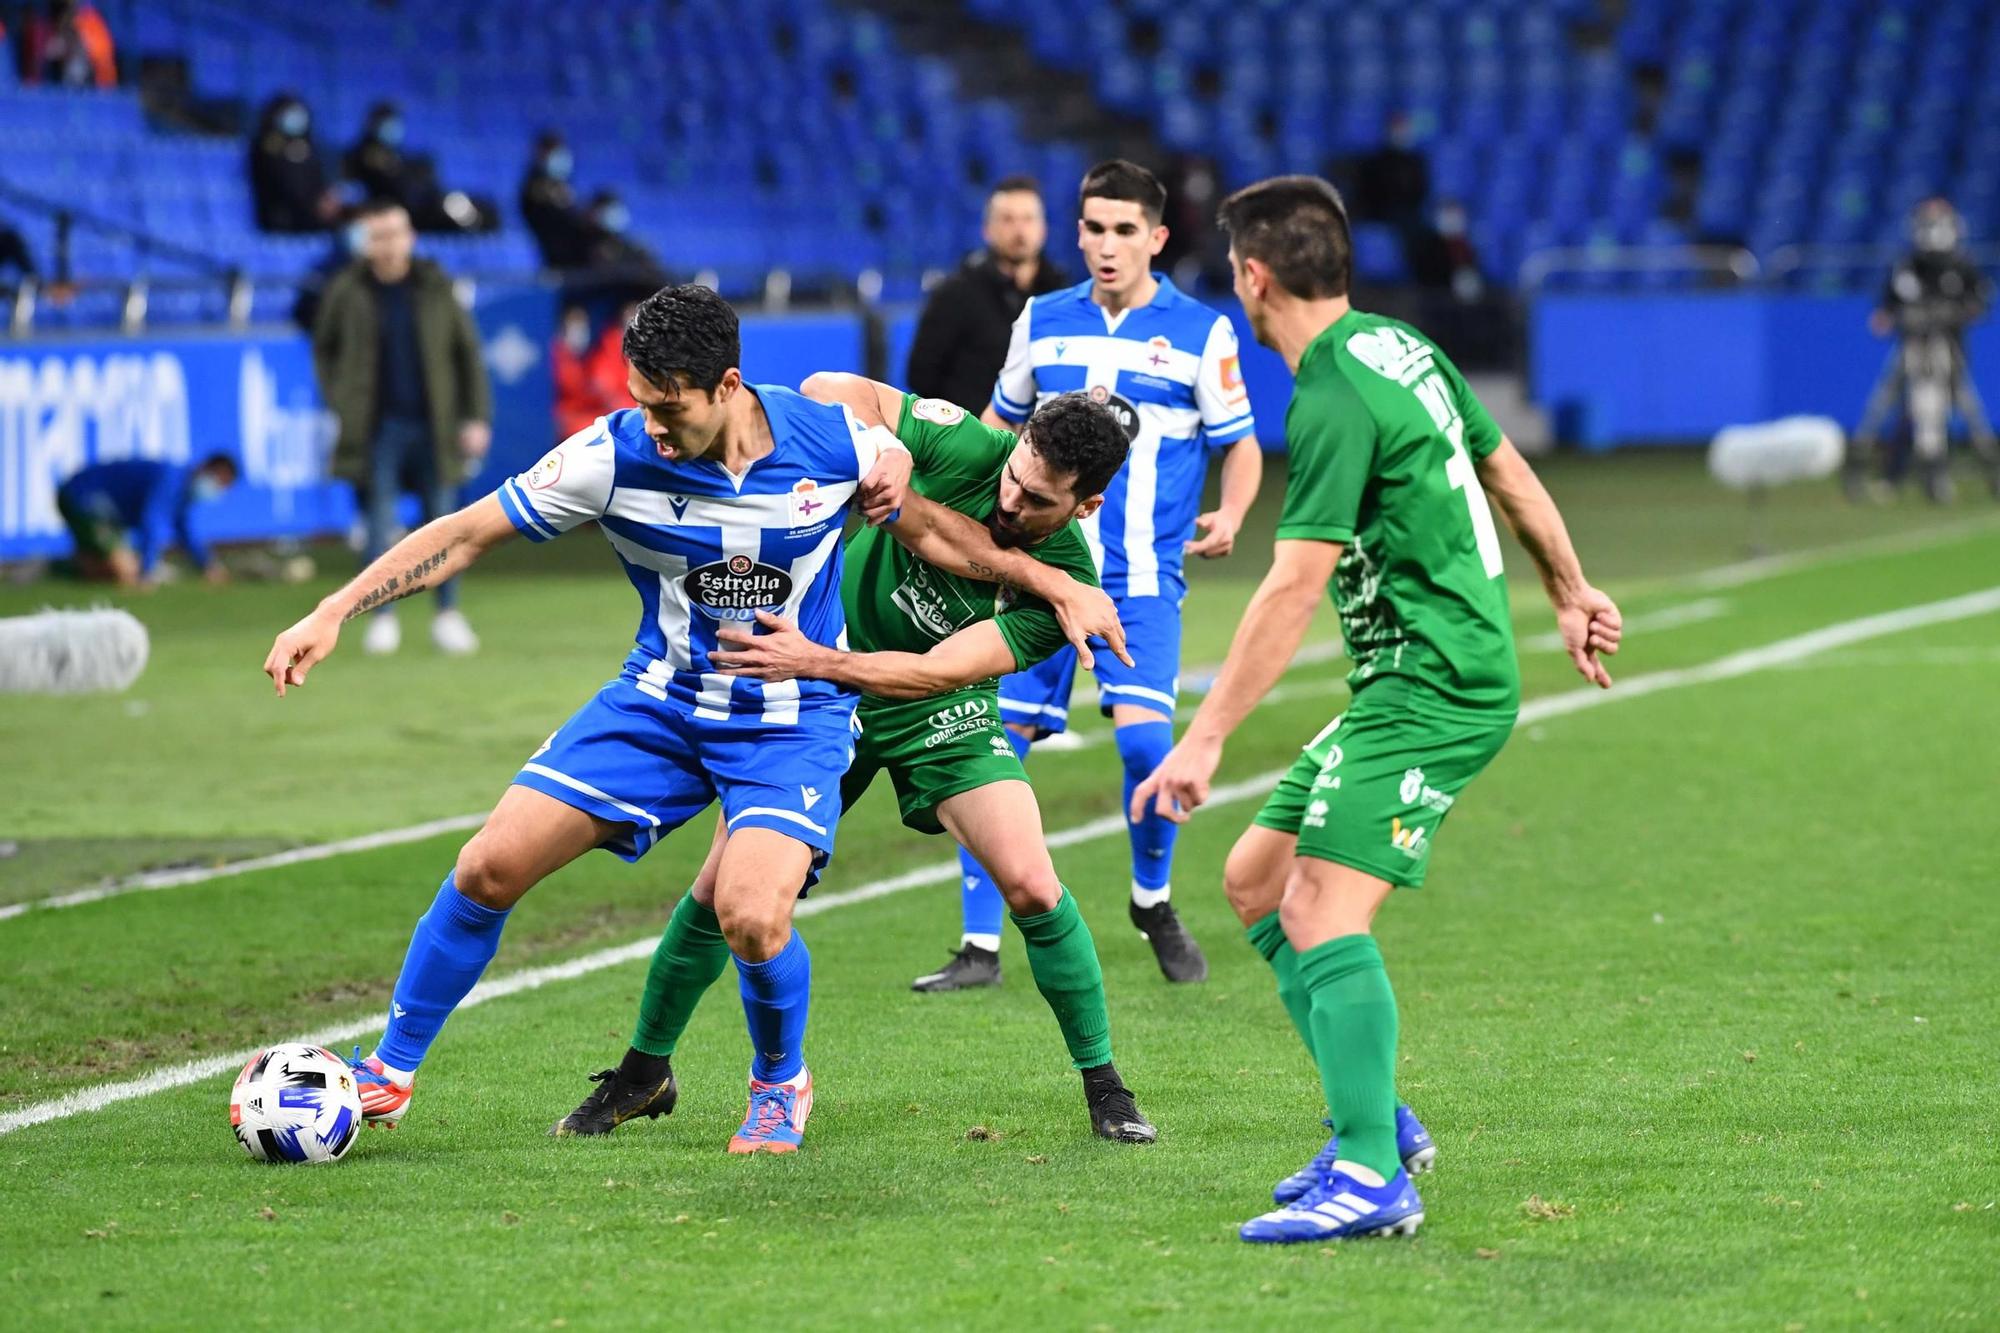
pixel 1781 652
pixel 1195 681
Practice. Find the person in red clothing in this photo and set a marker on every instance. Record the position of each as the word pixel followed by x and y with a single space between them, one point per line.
pixel 590 374
pixel 69 45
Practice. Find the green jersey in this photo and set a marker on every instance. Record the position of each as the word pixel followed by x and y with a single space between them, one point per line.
pixel 1383 434
pixel 898 603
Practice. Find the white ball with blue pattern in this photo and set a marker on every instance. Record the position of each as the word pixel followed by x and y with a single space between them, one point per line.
pixel 295 1103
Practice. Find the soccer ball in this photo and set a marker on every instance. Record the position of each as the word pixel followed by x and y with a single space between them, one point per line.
pixel 295 1103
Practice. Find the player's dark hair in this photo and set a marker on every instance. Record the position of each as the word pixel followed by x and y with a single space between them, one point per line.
pixel 1074 435
pixel 220 460
pixel 1016 184
pixel 380 204
pixel 687 333
pixel 1119 179
pixel 1297 227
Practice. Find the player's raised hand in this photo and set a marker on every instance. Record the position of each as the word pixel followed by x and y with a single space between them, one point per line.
pixel 1086 612
pixel 295 652
pixel 781 652
pixel 1180 783
pixel 1591 628
pixel 884 488
pixel 1218 537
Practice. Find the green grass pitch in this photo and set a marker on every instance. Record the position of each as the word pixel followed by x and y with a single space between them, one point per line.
pixel 1699 1003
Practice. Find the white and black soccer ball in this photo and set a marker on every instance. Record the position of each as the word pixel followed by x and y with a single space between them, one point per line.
pixel 295 1103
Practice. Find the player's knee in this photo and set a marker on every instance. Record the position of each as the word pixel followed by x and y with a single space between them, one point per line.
pixel 1029 889
pixel 487 876
pixel 754 927
pixel 1253 892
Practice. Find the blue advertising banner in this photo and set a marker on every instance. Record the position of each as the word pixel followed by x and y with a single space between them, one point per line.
pixel 67 404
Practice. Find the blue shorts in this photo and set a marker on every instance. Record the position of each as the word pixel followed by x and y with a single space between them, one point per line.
pixel 650 766
pixel 1039 696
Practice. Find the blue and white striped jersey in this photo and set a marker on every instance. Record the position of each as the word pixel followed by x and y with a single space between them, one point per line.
pixel 1170 370
pixel 705 547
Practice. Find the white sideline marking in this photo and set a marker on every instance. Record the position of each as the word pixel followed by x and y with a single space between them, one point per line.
pixel 1788 562
pixel 1196 681
pixel 169 879
pixel 1783 652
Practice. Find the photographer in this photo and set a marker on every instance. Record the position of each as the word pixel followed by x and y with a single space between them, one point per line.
pixel 1934 293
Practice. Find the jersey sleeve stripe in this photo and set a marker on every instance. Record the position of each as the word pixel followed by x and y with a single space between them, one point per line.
pixel 1231 430
pixel 1007 407
pixel 520 512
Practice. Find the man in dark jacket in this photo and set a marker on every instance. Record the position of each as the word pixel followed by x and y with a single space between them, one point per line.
pixel 549 207
pixel 962 336
pixel 399 364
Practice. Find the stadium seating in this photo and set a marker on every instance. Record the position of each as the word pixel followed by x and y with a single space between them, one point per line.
pixel 764 134
pixel 795 133
pixel 1806 121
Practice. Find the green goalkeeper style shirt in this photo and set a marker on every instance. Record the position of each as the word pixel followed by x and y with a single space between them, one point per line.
pixel 1383 434
pixel 898 603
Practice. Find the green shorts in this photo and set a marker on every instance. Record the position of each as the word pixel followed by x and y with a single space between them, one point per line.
pixel 1371 790
pixel 933 749
pixel 93 523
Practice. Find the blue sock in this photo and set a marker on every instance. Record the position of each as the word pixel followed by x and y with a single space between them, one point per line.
pixel 1142 745
pixel 981 904
pixel 775 995
pixel 453 943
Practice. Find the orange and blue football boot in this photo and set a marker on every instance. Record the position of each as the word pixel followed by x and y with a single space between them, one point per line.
pixel 383 1101
pixel 776 1120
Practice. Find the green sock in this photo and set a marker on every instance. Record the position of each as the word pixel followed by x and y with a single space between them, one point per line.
pixel 1267 937
pixel 1354 1040
pixel 1063 958
pixel 691 955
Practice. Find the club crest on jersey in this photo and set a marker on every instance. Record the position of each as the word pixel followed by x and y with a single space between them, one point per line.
pixel 547 472
pixel 805 506
pixel 1128 415
pixel 737 588
pixel 937 411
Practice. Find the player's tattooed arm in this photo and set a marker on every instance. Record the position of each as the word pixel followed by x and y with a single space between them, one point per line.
pixel 942 536
pixel 781 652
pixel 424 559
pixel 398 586
pixel 1589 621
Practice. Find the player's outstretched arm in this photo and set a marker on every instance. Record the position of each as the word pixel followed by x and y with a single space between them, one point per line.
pixel 1242 474
pixel 977 652
pixel 1266 638
pixel 1588 620
pixel 427 557
pixel 941 536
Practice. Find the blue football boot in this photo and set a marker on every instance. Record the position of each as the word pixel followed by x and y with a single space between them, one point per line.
pixel 1341 1208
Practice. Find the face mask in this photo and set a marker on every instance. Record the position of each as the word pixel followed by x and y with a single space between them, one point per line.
pixel 559 163
pixel 615 219
pixel 355 234
pixel 205 487
pixel 294 121
pixel 390 131
pixel 576 333
pixel 1451 224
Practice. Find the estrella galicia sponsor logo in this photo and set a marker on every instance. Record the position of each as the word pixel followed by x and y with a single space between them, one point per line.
pixel 1407 839
pixel 737 588
pixel 1121 408
pixel 960 719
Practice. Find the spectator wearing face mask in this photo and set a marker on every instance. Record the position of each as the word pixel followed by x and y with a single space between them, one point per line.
pixel 288 184
pixel 106 505
pixel 548 205
pixel 613 252
pixel 1442 256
